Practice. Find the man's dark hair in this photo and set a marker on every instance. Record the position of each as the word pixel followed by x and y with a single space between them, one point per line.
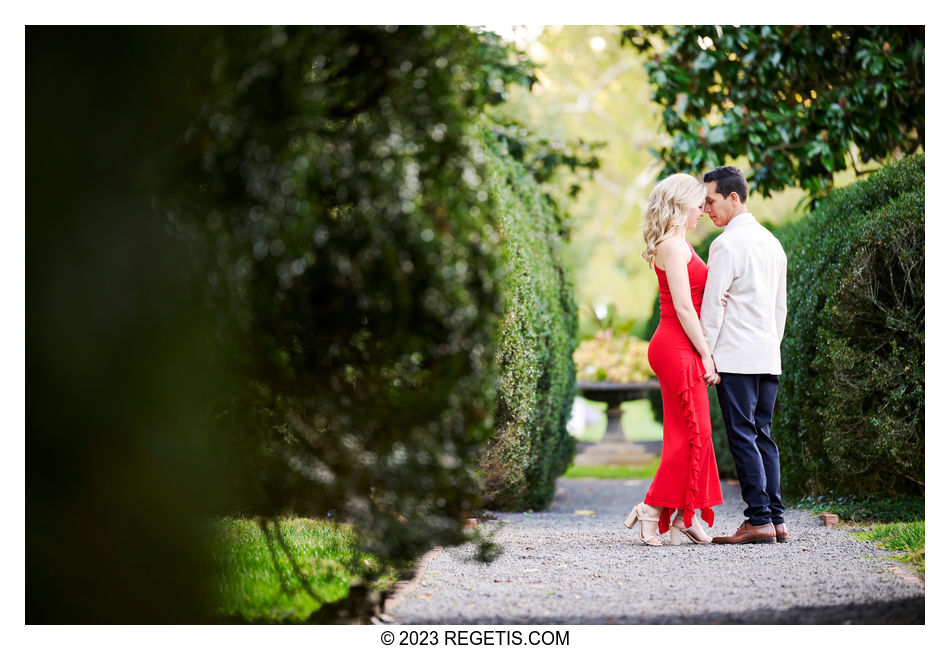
pixel 728 180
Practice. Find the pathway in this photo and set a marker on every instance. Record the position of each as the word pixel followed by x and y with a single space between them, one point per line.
pixel 576 564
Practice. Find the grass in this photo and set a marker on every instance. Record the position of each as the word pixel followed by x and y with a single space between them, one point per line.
pixel 907 537
pixel 637 420
pixel 611 471
pixel 895 523
pixel 250 588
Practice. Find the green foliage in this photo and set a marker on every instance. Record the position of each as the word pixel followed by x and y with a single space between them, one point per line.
pixel 850 413
pixel 336 178
pixel 290 224
pixel 537 335
pixel 119 468
pixel 907 537
pixel 792 99
pixel 545 157
pixel 598 94
pixel 866 508
pixel 900 536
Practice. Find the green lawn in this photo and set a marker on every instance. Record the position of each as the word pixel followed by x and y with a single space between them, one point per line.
pixel 611 471
pixel 638 422
pixel 895 523
pixel 250 588
pixel 906 537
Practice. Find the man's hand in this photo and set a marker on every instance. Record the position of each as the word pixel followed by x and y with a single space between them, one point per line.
pixel 724 298
pixel 710 376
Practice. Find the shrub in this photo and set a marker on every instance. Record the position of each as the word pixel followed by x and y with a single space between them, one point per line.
pixel 875 508
pixel 531 446
pixel 851 402
pixel 336 175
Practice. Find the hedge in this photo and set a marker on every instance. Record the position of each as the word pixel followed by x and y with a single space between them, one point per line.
pixel 353 254
pixel 531 446
pixel 390 279
pixel 850 414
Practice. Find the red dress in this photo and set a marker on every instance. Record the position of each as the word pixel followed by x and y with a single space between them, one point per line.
pixel 687 477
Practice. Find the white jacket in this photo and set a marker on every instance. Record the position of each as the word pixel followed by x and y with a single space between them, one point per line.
pixel 744 336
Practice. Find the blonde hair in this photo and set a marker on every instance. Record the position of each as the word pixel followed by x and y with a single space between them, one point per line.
pixel 667 208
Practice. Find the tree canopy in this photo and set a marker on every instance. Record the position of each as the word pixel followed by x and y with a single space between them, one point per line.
pixel 796 100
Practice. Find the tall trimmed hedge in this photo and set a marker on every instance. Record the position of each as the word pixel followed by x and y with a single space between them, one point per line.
pixel 337 177
pixel 283 253
pixel 537 335
pixel 850 414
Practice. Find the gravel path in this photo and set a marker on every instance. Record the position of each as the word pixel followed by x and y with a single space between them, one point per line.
pixel 564 566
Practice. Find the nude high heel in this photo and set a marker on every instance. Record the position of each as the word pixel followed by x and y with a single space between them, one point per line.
pixel 676 537
pixel 641 513
pixel 694 533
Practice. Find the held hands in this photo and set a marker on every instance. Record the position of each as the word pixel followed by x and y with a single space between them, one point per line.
pixel 710 375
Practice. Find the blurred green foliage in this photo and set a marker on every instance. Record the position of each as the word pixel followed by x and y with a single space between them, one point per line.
pixel 120 470
pixel 338 181
pixel 793 99
pixel 591 89
pixel 537 336
pixel 304 228
pixel 850 411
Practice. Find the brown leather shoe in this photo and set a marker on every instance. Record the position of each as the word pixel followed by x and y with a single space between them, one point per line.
pixel 781 533
pixel 749 534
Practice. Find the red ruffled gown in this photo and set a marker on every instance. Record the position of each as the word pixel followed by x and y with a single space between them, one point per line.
pixel 687 477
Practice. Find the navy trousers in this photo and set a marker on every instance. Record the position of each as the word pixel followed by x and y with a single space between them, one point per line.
pixel 747 402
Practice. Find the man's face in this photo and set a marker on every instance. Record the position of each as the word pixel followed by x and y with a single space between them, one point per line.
pixel 719 207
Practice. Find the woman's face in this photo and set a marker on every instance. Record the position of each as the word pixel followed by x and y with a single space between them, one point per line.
pixel 692 217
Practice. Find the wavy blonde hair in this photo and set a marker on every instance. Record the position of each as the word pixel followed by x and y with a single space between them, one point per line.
pixel 667 208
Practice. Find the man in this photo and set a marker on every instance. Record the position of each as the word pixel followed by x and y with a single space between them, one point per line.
pixel 743 319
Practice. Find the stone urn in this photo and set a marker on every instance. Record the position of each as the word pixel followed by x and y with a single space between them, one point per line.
pixel 614 449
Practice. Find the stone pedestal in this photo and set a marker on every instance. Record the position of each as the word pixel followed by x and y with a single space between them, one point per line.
pixel 614 453
pixel 614 449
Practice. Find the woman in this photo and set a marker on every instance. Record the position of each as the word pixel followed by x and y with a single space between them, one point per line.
pixel 687 478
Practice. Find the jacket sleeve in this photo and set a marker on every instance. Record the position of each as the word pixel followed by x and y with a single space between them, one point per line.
pixel 781 308
pixel 718 280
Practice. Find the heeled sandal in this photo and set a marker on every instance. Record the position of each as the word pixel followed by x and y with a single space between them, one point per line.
pixel 640 513
pixel 694 533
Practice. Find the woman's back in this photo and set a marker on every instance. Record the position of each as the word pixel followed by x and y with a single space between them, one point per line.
pixel 697 272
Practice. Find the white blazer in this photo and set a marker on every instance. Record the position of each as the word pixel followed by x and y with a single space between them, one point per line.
pixel 744 336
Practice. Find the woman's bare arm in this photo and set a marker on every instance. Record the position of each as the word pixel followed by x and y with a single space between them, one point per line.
pixel 672 256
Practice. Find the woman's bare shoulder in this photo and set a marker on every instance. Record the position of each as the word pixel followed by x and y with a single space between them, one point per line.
pixel 671 251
